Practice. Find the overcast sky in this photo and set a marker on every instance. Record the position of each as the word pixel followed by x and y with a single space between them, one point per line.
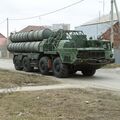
pixel 75 15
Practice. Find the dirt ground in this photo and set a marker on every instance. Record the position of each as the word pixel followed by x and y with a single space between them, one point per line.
pixel 65 104
pixel 103 78
pixel 14 79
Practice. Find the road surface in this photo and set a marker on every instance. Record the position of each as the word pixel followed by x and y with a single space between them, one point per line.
pixel 104 78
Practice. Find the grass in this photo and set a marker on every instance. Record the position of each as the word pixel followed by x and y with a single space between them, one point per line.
pixel 14 79
pixel 66 104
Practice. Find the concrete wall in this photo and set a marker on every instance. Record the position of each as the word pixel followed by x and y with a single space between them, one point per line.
pixel 0 54
pixel 117 55
pixel 3 51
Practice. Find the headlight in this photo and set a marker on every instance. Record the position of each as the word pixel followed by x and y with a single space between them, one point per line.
pixel 111 55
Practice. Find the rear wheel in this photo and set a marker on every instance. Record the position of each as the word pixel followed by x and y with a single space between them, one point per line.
pixel 59 69
pixel 88 72
pixel 17 63
pixel 26 65
pixel 44 65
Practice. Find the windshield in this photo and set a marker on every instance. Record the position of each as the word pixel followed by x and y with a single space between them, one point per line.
pixel 77 38
pixel 94 43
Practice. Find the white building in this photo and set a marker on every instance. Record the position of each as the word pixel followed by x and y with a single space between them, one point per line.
pixel 96 27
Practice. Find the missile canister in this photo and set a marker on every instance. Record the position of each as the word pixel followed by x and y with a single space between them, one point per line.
pixel 24 47
pixel 31 36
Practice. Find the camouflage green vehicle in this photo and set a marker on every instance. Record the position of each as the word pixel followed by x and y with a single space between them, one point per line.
pixel 63 52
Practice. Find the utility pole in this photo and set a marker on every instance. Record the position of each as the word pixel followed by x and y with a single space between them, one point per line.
pixel 112 32
pixel 113 2
pixel 117 12
pixel 118 16
pixel 8 37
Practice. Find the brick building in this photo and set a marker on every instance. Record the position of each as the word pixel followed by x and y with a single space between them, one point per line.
pixel 107 34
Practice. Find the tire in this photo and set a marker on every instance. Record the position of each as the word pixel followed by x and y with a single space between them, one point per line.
pixel 26 65
pixel 43 65
pixel 88 72
pixel 17 63
pixel 60 70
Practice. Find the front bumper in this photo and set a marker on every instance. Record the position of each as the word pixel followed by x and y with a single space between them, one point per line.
pixel 94 61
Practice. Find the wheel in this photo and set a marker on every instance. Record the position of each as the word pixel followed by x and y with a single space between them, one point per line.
pixel 44 65
pixel 88 72
pixel 59 69
pixel 17 63
pixel 26 65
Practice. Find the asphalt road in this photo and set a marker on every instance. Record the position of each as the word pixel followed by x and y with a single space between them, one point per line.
pixel 104 78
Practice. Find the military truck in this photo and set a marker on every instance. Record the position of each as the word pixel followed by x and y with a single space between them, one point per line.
pixel 64 52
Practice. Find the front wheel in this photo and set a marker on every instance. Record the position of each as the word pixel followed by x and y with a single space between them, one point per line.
pixel 88 72
pixel 60 70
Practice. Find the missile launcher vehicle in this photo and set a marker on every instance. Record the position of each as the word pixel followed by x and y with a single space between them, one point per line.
pixel 64 52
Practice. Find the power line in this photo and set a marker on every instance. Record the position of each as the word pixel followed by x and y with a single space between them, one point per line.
pixel 45 14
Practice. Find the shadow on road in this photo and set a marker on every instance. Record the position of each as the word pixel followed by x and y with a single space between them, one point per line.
pixel 78 76
pixel 96 77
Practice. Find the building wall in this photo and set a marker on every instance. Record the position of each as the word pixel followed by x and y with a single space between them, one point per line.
pixel 3 51
pixel 116 30
pixel 3 46
pixel 0 54
pixel 116 41
pixel 117 55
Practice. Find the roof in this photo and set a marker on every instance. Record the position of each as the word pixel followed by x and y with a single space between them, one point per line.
pixel 102 19
pixel 98 26
pixel 32 28
pixel 2 36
